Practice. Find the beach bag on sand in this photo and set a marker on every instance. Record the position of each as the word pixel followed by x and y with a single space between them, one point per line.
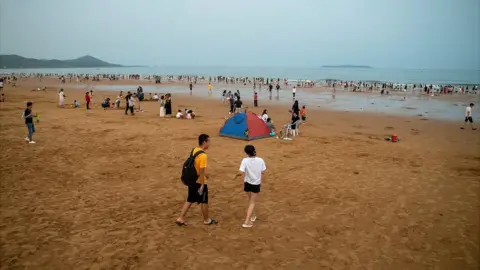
pixel 189 173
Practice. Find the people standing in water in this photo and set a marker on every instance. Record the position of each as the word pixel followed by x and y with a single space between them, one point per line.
pixel 294 91
pixel 61 99
pixel 270 88
pixel 209 89
pixel 278 89
pixel 191 88
pixel 162 106
pixel 253 170
pixel 255 100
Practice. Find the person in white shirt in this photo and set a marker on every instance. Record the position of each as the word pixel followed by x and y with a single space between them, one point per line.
pixel 264 115
pixel 155 97
pixel 179 114
pixel 253 168
pixel 294 91
pixel 468 116
pixel 61 99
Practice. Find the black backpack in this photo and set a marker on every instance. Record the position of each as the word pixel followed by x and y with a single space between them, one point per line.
pixel 189 173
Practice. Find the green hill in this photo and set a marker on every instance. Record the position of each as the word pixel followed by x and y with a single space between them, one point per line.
pixel 17 61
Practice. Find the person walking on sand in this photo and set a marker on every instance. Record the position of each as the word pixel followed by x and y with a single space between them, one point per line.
pixel 191 88
pixel 198 192
pixel 87 100
pixel 253 169
pixel 468 117
pixel 294 91
pixel 209 89
pixel 129 103
pixel 28 115
pixel 162 106
pixel 61 99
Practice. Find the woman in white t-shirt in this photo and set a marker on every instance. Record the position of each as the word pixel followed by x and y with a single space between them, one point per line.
pixel 264 115
pixel 61 99
pixel 253 169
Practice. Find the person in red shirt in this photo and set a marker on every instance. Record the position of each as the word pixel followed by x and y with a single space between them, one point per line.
pixel 255 99
pixel 87 100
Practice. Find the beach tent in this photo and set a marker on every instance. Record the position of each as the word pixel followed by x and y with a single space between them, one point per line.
pixel 245 126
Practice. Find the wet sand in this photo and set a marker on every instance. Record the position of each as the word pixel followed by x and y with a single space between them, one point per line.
pixel 101 190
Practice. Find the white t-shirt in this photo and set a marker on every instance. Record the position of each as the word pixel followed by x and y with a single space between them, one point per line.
pixel 468 112
pixel 179 115
pixel 253 168
pixel 265 117
pixel 61 95
pixel 294 90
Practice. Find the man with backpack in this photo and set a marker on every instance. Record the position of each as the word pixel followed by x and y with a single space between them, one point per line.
pixel 195 178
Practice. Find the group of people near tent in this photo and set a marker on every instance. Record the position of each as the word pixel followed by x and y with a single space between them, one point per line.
pixel 249 126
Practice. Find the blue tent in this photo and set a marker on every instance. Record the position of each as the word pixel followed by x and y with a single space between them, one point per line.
pixel 245 126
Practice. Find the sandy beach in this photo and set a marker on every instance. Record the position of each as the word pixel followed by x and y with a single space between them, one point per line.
pixel 101 190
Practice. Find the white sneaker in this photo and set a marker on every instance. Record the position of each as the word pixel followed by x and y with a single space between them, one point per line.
pixel 31 142
pixel 247 225
pixel 27 139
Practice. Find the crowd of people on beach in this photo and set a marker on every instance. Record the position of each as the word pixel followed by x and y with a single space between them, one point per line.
pixel 258 82
pixel 252 167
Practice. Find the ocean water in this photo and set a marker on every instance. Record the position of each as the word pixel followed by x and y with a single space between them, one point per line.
pixel 409 104
pixel 439 76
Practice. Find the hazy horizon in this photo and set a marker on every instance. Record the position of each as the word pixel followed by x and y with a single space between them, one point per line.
pixel 442 34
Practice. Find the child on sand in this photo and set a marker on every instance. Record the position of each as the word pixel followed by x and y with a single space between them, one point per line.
pixel 468 117
pixel 303 113
pixel 253 168
pixel 179 115
pixel 255 99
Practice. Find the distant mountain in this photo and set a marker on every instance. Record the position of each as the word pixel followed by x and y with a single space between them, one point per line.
pixel 17 61
pixel 347 66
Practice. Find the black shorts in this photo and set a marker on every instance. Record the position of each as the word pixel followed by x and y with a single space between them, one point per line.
pixel 304 118
pixel 194 197
pixel 469 119
pixel 251 188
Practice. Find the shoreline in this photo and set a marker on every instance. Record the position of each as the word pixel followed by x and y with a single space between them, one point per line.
pixel 311 71
pixel 396 104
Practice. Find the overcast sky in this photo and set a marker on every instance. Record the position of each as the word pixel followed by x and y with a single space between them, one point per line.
pixel 381 33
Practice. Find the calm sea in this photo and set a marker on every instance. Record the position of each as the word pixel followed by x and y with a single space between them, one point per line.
pixel 355 74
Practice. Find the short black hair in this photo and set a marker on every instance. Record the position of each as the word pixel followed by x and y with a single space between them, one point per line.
pixel 250 150
pixel 471 104
pixel 203 138
pixel 29 104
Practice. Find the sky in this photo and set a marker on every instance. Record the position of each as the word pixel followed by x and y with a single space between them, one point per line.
pixel 414 34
